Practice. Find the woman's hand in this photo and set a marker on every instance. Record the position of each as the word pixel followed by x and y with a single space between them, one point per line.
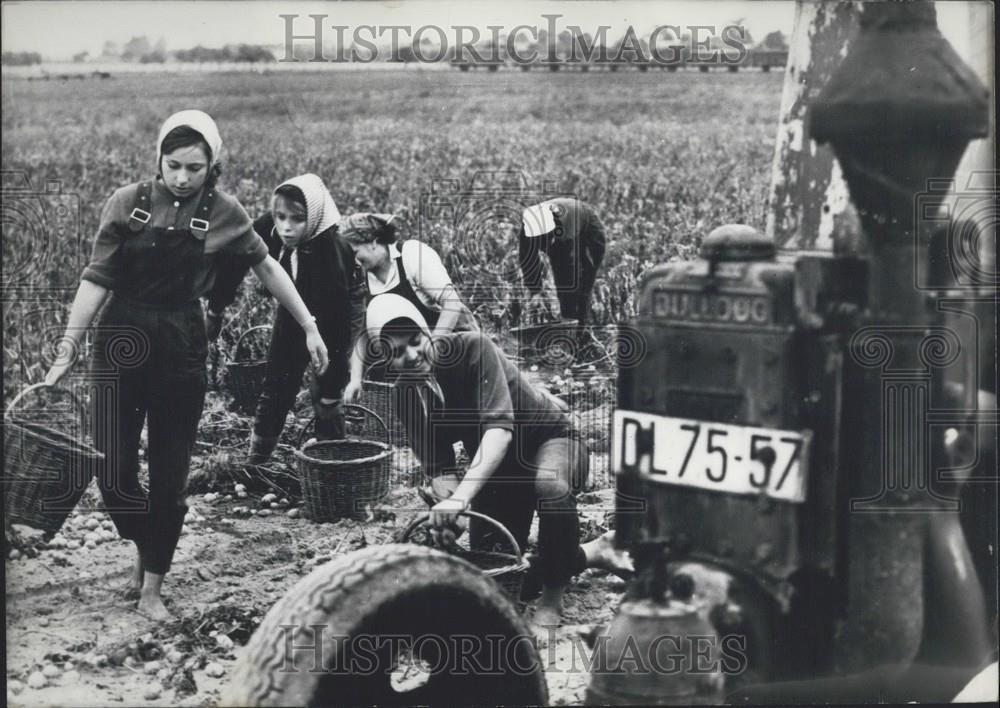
pixel 352 392
pixel 445 512
pixel 317 349
pixel 57 372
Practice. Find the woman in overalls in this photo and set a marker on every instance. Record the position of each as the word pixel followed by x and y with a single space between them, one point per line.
pixel 156 252
pixel 411 269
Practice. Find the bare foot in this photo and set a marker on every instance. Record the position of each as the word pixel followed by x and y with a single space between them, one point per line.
pixel 151 601
pixel 133 588
pixel 137 574
pixel 548 611
pixel 152 607
pixel 601 553
pixel 546 616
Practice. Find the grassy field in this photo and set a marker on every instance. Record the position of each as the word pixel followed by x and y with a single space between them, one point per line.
pixel 664 157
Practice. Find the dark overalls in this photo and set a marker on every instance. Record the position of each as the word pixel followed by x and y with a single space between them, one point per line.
pixel 149 365
pixel 575 250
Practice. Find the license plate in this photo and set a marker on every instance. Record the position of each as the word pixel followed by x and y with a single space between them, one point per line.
pixel 713 456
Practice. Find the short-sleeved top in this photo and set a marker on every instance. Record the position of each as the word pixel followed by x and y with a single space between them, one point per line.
pixel 482 390
pixel 130 264
pixel 424 270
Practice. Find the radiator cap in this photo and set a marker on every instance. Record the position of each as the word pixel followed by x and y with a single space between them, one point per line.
pixel 737 242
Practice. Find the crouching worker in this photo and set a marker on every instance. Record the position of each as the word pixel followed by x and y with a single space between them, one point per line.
pixel 301 233
pixel 525 454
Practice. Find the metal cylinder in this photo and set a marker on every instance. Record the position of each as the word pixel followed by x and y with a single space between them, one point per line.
pixel 656 653
pixel 898 112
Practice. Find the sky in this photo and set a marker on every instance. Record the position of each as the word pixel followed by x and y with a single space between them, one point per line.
pixel 58 30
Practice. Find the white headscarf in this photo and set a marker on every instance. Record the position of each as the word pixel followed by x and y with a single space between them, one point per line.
pixel 321 210
pixel 196 120
pixel 384 308
pixel 538 220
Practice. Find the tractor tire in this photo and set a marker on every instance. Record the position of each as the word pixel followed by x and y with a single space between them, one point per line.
pixel 337 637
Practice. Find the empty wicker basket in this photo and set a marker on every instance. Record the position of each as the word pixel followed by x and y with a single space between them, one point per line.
pixel 343 478
pixel 245 377
pixel 45 471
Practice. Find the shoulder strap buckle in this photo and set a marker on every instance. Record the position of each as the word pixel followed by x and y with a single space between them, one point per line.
pixel 141 213
pixel 201 222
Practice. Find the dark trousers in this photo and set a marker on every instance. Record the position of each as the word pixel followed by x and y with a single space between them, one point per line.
pixel 574 270
pixel 546 482
pixel 287 359
pixel 148 368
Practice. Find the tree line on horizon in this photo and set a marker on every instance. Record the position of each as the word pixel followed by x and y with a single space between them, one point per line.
pixel 140 50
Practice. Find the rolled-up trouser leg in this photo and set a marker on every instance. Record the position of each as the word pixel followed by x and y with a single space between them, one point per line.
pixel 286 362
pixel 331 423
pixel 562 466
pixel 173 424
pixel 331 417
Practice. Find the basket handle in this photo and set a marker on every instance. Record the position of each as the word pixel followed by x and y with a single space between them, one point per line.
pixel 360 412
pixel 36 387
pixel 424 517
pixel 239 340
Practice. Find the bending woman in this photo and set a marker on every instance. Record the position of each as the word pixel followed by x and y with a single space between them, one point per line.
pixel 156 251
pixel 411 269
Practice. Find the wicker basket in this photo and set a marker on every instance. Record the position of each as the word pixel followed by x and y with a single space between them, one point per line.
pixel 551 343
pixel 245 378
pixel 506 569
pixel 342 478
pixel 361 424
pixel 379 397
pixel 45 471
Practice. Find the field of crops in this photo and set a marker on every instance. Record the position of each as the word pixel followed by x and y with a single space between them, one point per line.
pixel 664 157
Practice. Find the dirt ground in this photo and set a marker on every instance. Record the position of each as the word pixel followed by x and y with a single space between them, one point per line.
pixel 72 627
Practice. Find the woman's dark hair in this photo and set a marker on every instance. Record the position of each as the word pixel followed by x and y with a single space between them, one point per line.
pixel 387 234
pixel 185 136
pixel 292 194
pixel 401 326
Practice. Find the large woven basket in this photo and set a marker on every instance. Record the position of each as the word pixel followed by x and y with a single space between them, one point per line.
pixel 245 377
pixel 506 569
pixel 343 478
pixel 45 471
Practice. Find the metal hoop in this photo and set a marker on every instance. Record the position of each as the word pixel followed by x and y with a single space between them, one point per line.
pixel 425 517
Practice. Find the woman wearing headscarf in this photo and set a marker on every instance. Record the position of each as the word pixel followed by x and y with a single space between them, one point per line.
pixel 156 253
pixel 410 269
pixel 300 231
pixel 571 235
